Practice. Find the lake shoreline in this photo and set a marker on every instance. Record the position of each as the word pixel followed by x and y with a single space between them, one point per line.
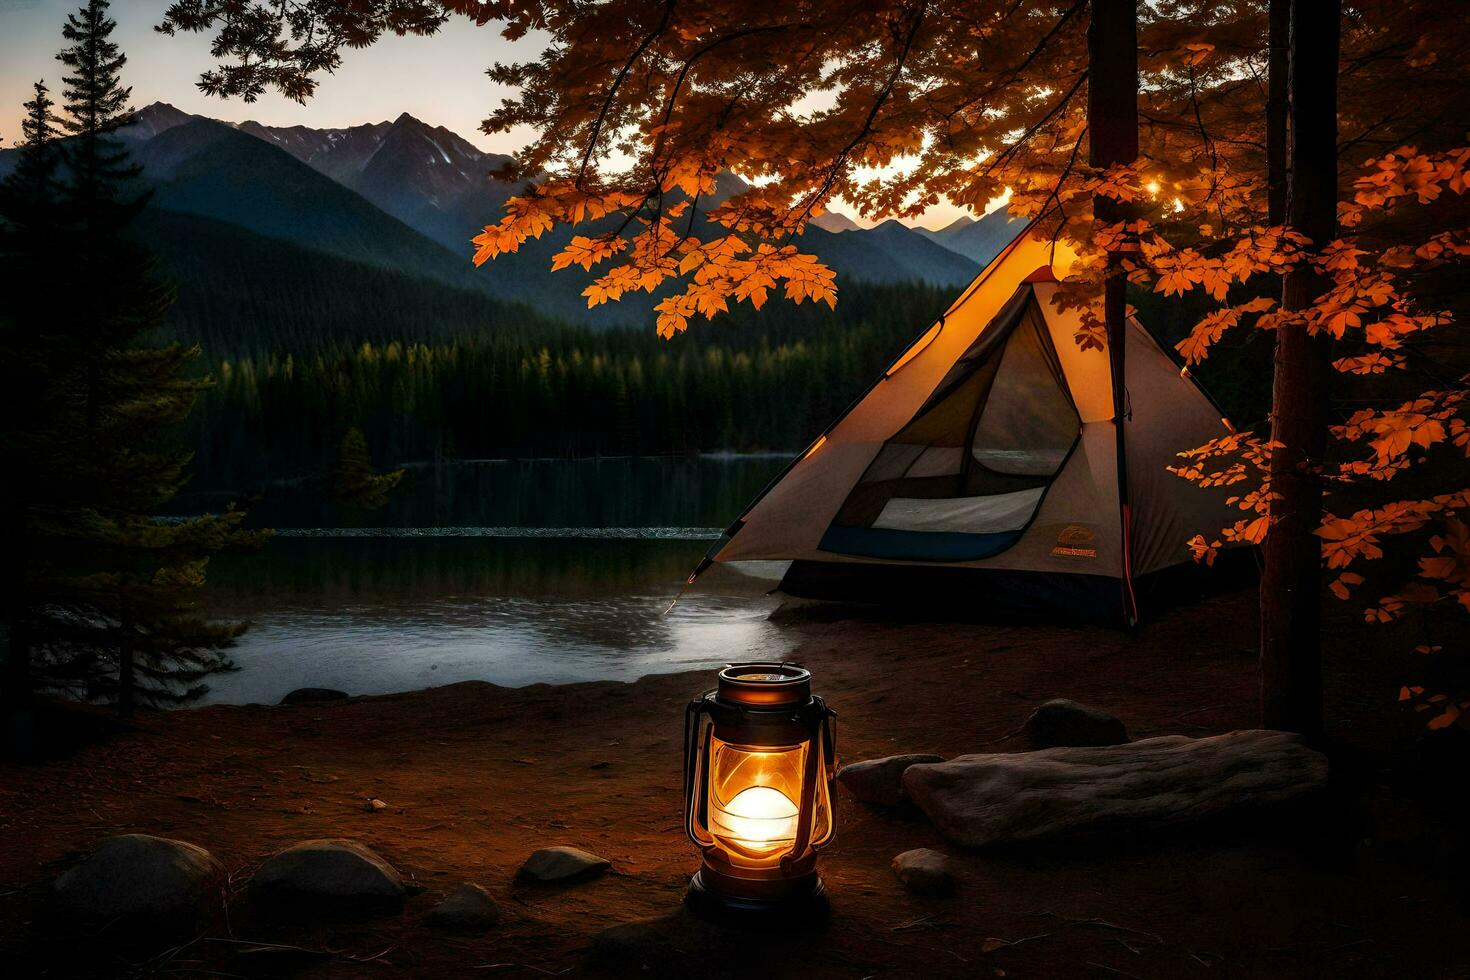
pixel 475 777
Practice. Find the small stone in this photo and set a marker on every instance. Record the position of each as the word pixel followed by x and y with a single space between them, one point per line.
pixel 375 804
pixel 140 882
pixel 926 872
pixel 1064 722
pixel 880 781
pixel 562 863
pixel 469 908
pixel 306 695
pixel 339 873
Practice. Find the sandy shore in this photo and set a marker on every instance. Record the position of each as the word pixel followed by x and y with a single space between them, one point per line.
pixel 476 777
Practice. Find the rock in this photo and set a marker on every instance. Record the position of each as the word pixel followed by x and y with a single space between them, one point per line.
pixel 1063 722
pixel 375 804
pixel 980 800
pixel 138 882
pixel 306 695
pixel 469 908
pixel 880 780
pixel 335 875
pixel 926 872
pixel 562 863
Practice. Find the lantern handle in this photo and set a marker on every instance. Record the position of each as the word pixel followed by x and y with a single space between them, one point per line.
pixel 817 753
pixel 696 752
pixel 829 757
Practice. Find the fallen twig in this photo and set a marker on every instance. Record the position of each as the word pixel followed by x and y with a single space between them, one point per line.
pixel 922 922
pixel 522 966
pixel 1131 947
pixel 1101 924
pixel 932 949
pixel 1007 736
pixel 995 942
pixel 1195 711
pixel 259 947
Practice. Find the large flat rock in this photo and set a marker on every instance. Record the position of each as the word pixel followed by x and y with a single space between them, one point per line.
pixel 982 800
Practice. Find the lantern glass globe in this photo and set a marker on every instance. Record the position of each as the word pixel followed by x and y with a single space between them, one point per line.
pixel 759 819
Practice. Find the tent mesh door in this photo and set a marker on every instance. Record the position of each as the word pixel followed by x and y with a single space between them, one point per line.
pixel 964 478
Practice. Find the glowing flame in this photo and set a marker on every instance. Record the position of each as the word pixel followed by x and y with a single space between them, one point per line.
pixel 760 819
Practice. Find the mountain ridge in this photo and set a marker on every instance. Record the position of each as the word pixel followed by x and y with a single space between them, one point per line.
pixel 407 195
pixel 438 183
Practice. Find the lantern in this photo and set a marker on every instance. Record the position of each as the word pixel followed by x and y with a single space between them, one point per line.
pixel 759 758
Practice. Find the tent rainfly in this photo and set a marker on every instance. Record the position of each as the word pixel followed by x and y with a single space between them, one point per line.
pixel 985 470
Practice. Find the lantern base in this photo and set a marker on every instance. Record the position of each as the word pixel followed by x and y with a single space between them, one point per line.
pixel 721 898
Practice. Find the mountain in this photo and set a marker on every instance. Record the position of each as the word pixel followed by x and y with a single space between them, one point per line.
pixel 154 119
pixel 890 252
pixel 979 241
pixel 425 176
pixel 949 230
pixel 312 188
pixel 208 169
pixel 407 196
pixel 836 222
pixel 439 184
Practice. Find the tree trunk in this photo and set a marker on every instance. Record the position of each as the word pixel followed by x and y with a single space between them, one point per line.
pixel 1112 133
pixel 1276 69
pixel 17 683
pixel 1291 668
pixel 125 678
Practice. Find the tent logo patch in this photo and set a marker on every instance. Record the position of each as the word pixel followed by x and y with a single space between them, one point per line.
pixel 1076 541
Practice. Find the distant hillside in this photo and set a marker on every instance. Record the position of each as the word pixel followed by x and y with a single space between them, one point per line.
pixel 426 176
pixel 244 294
pixel 979 241
pixel 407 197
pixel 948 231
pixel 835 222
pixel 908 254
pixel 208 169
pixel 439 184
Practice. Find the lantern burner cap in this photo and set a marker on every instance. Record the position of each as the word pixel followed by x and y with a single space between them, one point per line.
pixel 765 684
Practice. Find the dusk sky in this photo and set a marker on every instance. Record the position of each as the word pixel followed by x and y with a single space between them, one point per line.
pixel 439 79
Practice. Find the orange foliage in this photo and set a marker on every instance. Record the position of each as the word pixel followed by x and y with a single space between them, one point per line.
pixel 895 105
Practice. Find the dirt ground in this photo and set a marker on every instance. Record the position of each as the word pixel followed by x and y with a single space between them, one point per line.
pixel 477 777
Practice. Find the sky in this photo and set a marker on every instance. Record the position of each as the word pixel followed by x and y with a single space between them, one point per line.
pixel 439 79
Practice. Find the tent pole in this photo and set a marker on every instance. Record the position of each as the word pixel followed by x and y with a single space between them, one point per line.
pixel 1112 133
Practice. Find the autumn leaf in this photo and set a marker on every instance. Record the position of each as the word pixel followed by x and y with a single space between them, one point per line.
pixel 1343 583
pixel 587 252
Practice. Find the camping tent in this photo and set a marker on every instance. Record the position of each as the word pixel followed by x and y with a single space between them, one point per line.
pixel 983 468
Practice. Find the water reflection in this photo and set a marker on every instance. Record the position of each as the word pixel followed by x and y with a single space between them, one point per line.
pixel 374 615
pixel 627 492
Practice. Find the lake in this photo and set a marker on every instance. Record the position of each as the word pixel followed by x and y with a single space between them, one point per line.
pixel 513 572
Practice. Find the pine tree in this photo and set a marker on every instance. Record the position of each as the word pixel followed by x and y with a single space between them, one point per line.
pixel 28 199
pixel 104 590
pixel 96 104
pixel 353 481
pixel 34 180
